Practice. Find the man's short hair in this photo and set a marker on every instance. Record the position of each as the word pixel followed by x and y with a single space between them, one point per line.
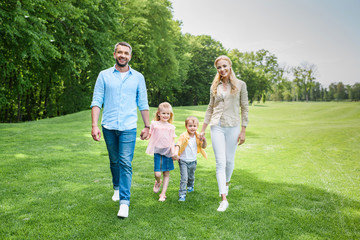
pixel 123 44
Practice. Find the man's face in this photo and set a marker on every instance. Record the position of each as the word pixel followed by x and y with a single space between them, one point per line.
pixel 122 55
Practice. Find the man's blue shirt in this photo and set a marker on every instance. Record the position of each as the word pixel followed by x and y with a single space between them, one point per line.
pixel 120 98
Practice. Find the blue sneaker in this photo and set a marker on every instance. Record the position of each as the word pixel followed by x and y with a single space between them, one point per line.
pixel 182 199
pixel 190 189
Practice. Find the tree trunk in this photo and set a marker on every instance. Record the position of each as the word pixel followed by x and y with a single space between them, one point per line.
pixel 19 108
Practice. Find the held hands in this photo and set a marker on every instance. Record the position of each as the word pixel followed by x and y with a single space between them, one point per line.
pixel 95 133
pixel 202 136
pixel 176 157
pixel 145 135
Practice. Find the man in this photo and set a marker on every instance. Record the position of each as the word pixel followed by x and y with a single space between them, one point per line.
pixel 120 90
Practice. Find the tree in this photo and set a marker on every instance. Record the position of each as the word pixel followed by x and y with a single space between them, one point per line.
pixel 340 92
pixel 355 92
pixel 52 51
pixel 304 77
pixel 202 52
pixel 258 69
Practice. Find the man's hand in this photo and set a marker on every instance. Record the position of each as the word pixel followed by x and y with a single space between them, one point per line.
pixel 95 133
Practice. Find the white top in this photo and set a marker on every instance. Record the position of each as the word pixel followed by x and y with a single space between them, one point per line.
pixel 189 154
pixel 124 74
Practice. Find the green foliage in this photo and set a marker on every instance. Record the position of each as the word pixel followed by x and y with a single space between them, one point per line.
pixel 202 52
pixel 53 51
pixel 258 69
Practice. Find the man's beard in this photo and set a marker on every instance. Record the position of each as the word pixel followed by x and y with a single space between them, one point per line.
pixel 121 65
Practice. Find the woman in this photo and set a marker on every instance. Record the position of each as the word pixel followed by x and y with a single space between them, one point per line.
pixel 227 95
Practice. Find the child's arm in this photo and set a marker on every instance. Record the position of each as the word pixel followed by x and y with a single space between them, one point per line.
pixel 176 155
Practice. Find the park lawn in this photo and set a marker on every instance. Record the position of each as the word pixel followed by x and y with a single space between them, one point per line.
pixel 296 177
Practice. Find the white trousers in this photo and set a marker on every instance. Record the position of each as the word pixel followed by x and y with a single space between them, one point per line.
pixel 224 142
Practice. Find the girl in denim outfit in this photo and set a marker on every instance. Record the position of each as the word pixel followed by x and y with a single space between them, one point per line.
pixel 162 145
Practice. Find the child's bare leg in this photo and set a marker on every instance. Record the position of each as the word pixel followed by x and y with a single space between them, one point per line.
pixel 166 178
pixel 157 182
pixel 157 176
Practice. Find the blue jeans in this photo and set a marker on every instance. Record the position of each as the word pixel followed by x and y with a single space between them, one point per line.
pixel 120 146
pixel 187 173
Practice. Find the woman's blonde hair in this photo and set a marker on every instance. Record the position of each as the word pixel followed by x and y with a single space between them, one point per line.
pixel 163 106
pixel 217 78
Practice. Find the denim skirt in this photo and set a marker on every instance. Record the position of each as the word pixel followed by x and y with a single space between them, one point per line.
pixel 162 163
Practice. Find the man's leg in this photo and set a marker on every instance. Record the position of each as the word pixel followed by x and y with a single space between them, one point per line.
pixel 127 141
pixel 112 144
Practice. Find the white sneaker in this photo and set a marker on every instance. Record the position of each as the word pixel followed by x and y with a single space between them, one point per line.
pixel 123 211
pixel 223 206
pixel 116 196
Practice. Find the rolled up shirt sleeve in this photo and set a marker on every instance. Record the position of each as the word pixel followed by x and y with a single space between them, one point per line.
pixel 141 97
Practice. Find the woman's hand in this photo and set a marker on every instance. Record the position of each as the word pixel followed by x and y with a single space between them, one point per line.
pixel 241 138
pixel 202 133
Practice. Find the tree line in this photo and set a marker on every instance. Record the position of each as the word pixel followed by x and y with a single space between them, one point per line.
pixel 52 51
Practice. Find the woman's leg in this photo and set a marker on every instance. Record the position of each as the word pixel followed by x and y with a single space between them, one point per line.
pixel 218 143
pixel 231 136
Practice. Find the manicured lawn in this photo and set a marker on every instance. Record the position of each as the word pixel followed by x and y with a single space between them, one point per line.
pixel 296 177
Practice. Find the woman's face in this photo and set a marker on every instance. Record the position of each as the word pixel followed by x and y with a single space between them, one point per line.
pixel 223 67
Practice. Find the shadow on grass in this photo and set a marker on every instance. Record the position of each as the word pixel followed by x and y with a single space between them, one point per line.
pixel 260 105
pixel 75 203
pixel 258 210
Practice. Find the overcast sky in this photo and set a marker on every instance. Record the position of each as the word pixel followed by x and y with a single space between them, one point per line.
pixel 321 32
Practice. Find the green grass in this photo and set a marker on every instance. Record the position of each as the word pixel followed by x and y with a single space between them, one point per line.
pixel 296 177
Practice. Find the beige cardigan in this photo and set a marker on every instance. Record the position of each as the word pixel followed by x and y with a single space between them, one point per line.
pixel 224 107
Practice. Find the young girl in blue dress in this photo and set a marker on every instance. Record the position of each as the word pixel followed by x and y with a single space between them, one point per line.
pixel 162 145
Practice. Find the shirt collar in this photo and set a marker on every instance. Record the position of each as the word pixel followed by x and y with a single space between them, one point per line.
pixel 115 70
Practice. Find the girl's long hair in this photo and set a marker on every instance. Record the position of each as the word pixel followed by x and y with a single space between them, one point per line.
pixel 217 78
pixel 164 105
